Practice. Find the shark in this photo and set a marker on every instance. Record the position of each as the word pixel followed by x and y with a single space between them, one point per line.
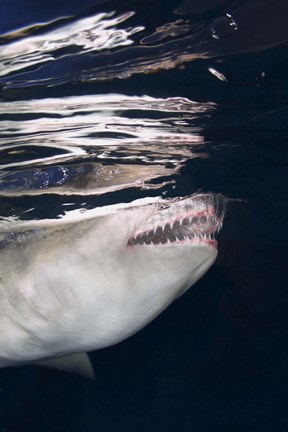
pixel 74 287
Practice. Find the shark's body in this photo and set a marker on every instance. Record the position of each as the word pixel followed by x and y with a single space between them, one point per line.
pixel 87 285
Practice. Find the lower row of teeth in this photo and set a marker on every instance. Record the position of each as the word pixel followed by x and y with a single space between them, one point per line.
pixel 163 240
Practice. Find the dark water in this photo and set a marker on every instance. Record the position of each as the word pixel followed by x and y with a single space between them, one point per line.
pixel 106 102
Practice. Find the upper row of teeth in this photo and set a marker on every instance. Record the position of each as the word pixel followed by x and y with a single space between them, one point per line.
pixel 179 222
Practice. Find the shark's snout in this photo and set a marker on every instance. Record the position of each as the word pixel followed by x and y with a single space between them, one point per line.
pixel 196 219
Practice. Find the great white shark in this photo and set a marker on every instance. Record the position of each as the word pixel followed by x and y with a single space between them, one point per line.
pixel 67 289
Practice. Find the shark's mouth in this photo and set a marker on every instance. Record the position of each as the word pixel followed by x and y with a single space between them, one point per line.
pixel 196 219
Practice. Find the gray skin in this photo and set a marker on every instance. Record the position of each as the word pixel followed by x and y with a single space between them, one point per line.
pixel 76 287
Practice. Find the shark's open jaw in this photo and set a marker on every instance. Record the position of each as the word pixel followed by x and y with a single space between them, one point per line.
pixel 194 220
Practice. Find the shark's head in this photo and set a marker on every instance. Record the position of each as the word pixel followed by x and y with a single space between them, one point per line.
pixel 179 236
pixel 156 253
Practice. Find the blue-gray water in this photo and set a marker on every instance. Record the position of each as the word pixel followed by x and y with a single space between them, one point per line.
pixel 106 102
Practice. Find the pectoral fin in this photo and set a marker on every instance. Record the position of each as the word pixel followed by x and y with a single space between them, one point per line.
pixel 78 363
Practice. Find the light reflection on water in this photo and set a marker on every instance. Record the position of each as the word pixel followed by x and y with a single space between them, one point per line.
pixel 100 47
pixel 80 36
pixel 95 144
pixel 83 142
